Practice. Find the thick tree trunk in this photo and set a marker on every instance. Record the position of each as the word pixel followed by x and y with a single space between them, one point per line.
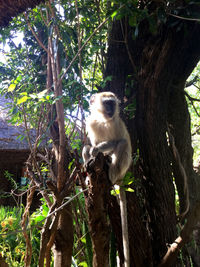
pixel 119 66
pixel 158 66
pixel 63 244
pixel 154 154
pixel 97 208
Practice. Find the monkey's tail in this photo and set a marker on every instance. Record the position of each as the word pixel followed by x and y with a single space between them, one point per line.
pixel 124 222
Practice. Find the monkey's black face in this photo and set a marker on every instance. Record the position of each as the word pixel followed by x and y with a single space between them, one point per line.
pixel 109 106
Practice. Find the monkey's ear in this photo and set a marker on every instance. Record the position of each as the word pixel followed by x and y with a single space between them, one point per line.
pixel 118 101
pixel 92 98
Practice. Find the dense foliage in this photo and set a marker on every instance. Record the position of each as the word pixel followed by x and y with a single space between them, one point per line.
pixel 194 107
pixel 75 36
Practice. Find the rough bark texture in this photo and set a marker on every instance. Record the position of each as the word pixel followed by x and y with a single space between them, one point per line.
pixel 97 208
pixel 151 117
pixel 140 247
pixel 63 244
pixel 163 63
pixel 185 236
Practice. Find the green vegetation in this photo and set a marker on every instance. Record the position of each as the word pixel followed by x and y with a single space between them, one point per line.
pixel 194 108
pixel 55 57
pixel 12 243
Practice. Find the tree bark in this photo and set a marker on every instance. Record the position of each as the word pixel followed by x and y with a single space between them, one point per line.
pixel 97 208
pixel 158 66
pixel 63 236
pixel 119 67
pixel 63 244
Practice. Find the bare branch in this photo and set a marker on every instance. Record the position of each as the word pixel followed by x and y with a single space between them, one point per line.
pixel 23 224
pixel 34 33
pixel 184 18
pixel 185 235
pixel 191 82
pixel 77 54
pixel 192 102
pixel 191 98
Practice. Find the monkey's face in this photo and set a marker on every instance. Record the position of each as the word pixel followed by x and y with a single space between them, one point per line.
pixel 105 103
pixel 109 105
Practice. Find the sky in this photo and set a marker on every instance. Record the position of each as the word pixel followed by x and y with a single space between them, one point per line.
pixel 5 48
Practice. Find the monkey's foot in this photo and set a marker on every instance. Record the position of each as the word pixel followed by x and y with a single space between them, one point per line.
pixel 94 163
pixel 88 164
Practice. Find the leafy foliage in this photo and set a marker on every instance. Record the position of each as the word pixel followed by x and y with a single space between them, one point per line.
pixel 24 80
pixel 194 108
pixel 12 243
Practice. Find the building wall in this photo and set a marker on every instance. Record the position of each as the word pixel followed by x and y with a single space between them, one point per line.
pixel 13 162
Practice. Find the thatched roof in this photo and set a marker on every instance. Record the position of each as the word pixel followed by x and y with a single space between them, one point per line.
pixel 10 134
pixel 12 8
pixel 9 137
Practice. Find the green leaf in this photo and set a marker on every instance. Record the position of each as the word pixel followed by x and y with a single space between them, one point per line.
pixel 83 240
pixel 19 78
pixel 162 15
pixel 20 137
pixel 83 263
pixel 39 218
pixel 132 21
pixel 114 14
pixel 24 93
pixel 128 178
pixel 130 189
pixel 11 87
pixel 113 192
pixel 22 100
pixel 153 24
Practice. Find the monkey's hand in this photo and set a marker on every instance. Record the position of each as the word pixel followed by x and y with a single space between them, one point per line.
pixel 94 151
pixel 106 147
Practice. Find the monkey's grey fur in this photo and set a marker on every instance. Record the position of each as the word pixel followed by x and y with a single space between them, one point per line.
pixel 108 134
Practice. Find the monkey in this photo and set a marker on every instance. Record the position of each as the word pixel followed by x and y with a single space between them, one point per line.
pixel 108 134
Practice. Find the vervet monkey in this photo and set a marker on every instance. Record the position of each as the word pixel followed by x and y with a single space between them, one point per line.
pixel 108 134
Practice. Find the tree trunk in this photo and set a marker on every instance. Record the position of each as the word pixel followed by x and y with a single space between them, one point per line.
pixel 97 208
pixel 158 66
pixel 119 66
pixel 63 244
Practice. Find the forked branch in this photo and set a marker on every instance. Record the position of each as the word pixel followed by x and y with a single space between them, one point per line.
pixel 185 235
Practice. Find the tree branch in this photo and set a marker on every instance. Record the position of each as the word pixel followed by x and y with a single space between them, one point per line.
pixel 23 224
pixel 191 82
pixel 97 208
pixel 191 98
pixel 185 235
pixel 191 101
pixel 34 33
pixel 184 18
